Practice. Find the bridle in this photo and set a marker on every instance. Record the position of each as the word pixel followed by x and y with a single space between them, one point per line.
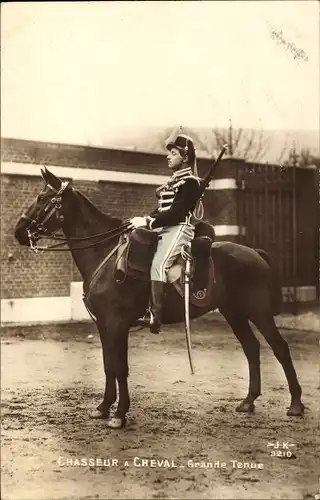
pixel 36 229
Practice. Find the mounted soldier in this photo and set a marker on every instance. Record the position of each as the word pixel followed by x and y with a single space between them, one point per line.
pixel 172 219
pixel 246 288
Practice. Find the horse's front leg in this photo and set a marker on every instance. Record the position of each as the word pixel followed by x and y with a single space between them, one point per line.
pixel 114 340
pixel 110 392
pixel 120 335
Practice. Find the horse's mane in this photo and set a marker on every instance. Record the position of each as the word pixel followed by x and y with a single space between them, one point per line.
pixel 96 213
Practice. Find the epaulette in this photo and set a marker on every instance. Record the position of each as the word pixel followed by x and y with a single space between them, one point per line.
pixel 179 183
pixel 192 177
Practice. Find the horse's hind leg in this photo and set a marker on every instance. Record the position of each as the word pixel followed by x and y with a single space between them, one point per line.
pixel 280 348
pixel 251 348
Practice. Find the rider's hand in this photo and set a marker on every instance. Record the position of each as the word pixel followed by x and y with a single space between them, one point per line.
pixel 137 222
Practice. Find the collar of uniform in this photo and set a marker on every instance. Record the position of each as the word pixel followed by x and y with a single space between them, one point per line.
pixel 182 173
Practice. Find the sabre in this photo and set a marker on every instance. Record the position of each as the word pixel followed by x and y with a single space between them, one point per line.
pixel 186 306
pixel 204 183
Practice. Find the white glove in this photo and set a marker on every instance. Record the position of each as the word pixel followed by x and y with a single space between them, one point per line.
pixel 137 222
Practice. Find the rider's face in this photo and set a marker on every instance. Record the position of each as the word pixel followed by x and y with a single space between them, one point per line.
pixel 175 160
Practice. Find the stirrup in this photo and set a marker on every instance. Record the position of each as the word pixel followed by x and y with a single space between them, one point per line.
pixel 142 322
pixel 145 320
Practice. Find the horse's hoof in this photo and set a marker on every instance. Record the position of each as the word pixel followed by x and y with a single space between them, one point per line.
pixel 116 423
pixel 296 410
pixel 97 414
pixel 245 407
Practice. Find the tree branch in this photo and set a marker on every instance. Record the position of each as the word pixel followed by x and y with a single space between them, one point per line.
pixel 248 147
pixel 237 140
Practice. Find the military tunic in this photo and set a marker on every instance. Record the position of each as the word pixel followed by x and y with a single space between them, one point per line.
pixel 172 220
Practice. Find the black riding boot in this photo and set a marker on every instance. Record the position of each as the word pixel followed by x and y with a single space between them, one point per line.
pixel 157 290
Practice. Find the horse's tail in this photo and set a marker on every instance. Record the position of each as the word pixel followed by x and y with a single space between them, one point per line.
pixel 276 299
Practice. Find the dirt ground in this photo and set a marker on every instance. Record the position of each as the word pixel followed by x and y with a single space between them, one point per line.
pixel 176 419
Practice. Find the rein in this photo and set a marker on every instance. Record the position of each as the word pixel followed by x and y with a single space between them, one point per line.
pixel 85 238
pixel 108 235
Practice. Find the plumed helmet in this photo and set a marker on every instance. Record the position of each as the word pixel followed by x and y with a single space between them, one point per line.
pixel 185 145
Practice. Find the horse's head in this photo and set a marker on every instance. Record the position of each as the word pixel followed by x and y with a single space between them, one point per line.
pixel 46 214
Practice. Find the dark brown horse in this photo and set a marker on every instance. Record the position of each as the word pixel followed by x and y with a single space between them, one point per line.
pixel 245 290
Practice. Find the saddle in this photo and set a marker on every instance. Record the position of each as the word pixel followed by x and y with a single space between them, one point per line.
pixel 136 251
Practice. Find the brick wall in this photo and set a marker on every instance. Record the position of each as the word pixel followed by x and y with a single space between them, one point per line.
pixel 27 274
pixel 49 274
pixel 65 155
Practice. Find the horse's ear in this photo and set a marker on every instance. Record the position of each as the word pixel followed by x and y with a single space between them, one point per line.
pixel 51 179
